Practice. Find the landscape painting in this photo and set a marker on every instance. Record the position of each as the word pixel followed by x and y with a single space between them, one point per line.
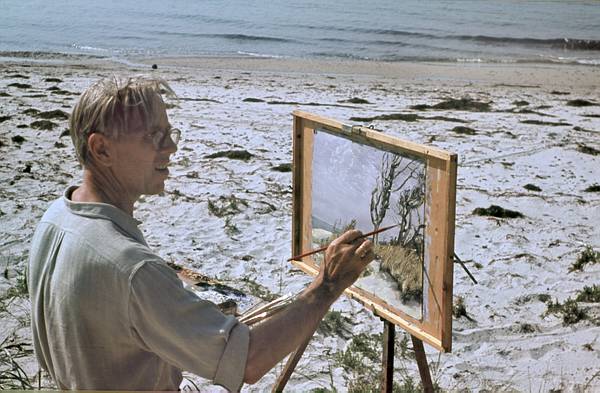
pixel 358 186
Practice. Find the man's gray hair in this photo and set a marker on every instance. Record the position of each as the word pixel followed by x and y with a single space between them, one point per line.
pixel 108 106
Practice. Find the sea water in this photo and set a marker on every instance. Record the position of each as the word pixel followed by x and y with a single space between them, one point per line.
pixel 389 30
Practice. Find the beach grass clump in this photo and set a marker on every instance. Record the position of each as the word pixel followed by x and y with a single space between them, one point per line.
pixel 43 125
pixel 230 228
pixel 56 114
pixel 589 294
pixel 12 375
pixel 361 361
pixel 408 117
pixel 569 311
pixel 531 187
pixel 19 76
pixel 20 85
pixel 593 188
pixel 252 99
pixel 587 149
pixel 258 290
pixel 243 155
pixel 464 130
pixel 497 211
pixel 31 111
pixel 527 328
pixel 5 118
pixel 336 324
pixel 18 139
pixel 579 103
pixel 226 205
pixel 520 103
pixel 53 80
pixel 460 104
pixel 545 123
pixel 282 168
pixel 459 309
pixel 586 257
pixel 405 266
pixel 355 100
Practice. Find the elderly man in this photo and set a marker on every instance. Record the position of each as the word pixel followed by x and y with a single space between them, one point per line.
pixel 108 313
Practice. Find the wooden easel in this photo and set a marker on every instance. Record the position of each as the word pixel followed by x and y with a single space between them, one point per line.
pixel 387 362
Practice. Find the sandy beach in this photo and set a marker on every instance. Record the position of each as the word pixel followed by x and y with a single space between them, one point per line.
pixel 533 148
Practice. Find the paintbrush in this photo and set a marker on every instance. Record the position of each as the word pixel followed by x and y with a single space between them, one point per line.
pixel 298 257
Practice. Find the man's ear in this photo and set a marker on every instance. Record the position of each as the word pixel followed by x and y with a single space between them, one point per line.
pixel 100 149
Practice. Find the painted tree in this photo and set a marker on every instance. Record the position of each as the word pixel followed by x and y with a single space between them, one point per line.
pixel 408 210
pixel 395 173
pixel 380 196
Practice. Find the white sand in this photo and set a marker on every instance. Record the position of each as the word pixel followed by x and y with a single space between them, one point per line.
pixel 507 346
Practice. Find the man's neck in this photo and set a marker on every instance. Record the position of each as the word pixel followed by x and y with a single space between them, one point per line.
pixel 93 189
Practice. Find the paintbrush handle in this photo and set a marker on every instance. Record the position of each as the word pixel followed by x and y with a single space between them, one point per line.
pixel 321 249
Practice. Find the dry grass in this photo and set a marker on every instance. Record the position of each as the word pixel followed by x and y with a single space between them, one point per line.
pixel 405 266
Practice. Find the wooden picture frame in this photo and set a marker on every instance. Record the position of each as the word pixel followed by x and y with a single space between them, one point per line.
pixel 435 324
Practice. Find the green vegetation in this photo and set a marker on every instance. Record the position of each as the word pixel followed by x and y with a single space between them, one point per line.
pixel 587 149
pixel 43 125
pixel 532 187
pixel 497 211
pixel 226 205
pixel 410 117
pixel 282 168
pixel 577 103
pixel 355 100
pixel 464 130
pixel 405 266
pixel 335 324
pixel 587 256
pixel 569 311
pixel 593 188
pixel 589 294
pixel 459 309
pixel 12 376
pixel 361 362
pixel 258 290
pixel 232 155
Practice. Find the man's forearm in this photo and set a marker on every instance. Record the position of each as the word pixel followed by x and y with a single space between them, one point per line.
pixel 272 340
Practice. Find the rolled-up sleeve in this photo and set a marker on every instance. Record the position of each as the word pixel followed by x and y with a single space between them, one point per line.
pixel 190 333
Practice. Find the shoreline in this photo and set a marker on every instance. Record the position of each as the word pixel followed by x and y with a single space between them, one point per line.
pixel 517 75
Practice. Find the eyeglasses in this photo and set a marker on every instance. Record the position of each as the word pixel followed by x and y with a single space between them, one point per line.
pixel 159 138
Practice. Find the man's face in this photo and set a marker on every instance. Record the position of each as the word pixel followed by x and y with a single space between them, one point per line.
pixel 139 166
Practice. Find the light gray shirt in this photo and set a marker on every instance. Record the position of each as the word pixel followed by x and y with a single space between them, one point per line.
pixel 109 314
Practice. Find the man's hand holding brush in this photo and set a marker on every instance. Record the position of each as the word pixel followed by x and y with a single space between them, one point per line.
pixel 345 259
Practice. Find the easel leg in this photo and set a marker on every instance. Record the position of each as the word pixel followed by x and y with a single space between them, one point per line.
pixel 290 366
pixel 423 365
pixel 387 361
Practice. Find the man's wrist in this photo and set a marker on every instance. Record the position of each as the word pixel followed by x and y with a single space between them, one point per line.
pixel 323 291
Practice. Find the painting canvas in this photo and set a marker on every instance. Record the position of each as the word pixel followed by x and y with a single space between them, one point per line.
pixel 354 177
pixel 359 186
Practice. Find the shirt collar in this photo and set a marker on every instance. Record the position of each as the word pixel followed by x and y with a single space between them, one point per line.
pixel 104 211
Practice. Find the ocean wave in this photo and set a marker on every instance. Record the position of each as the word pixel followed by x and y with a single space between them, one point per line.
pixel 261 55
pixel 233 37
pixel 88 48
pixel 557 43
